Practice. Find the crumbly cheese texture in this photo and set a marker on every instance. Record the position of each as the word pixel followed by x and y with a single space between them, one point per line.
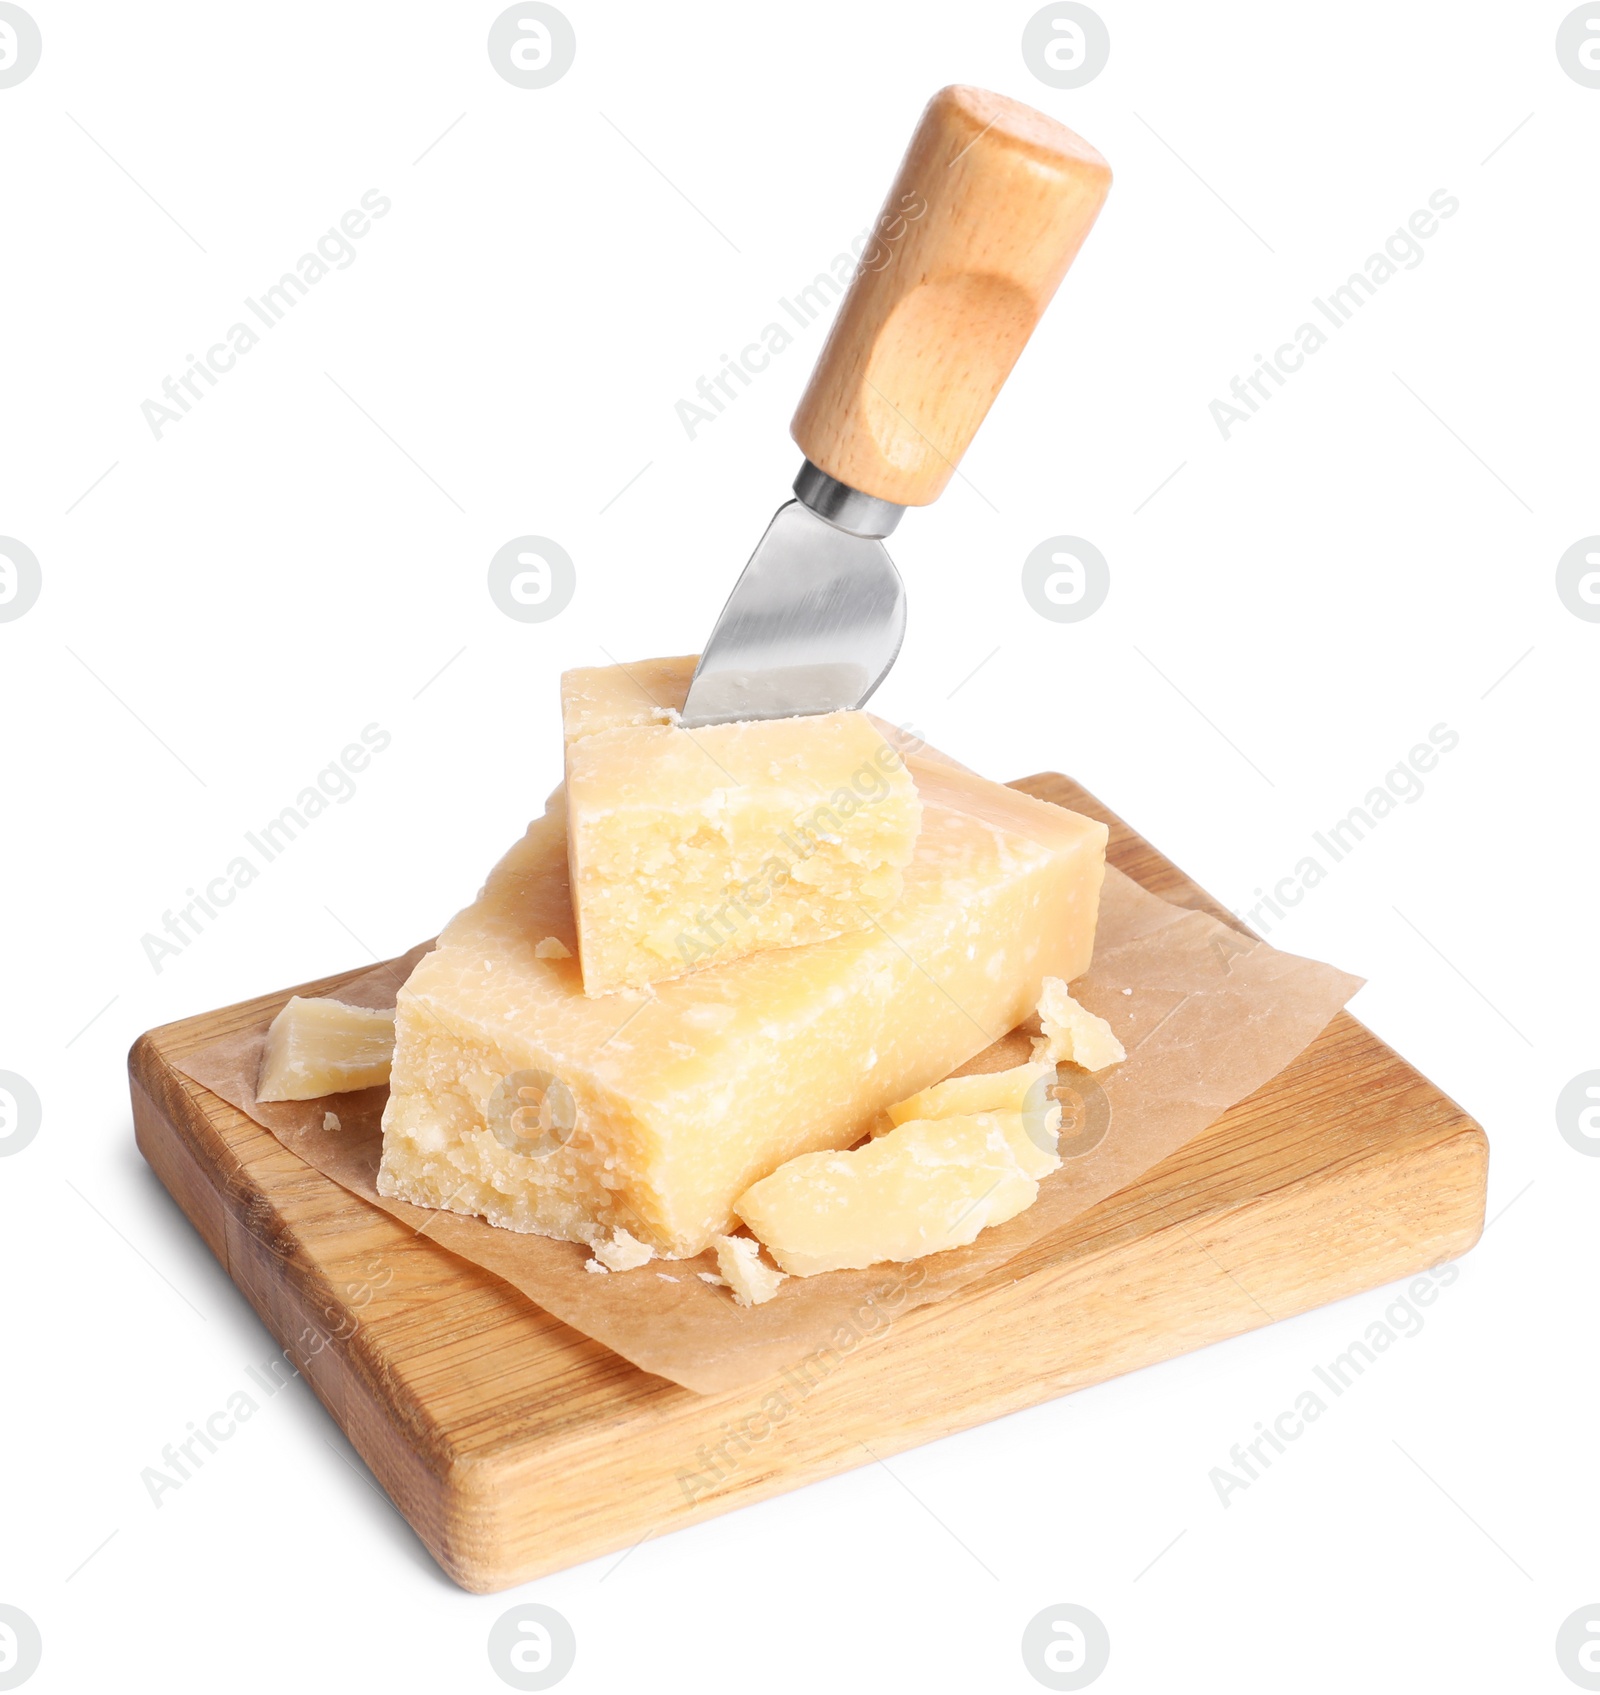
pixel 749 1276
pixel 1072 1032
pixel 317 1046
pixel 612 697
pixel 693 847
pixel 928 1185
pixel 656 1111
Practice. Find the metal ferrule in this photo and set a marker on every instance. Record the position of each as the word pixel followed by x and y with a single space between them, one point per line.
pixel 846 508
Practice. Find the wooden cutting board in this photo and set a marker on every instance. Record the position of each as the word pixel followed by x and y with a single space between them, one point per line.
pixel 516 1446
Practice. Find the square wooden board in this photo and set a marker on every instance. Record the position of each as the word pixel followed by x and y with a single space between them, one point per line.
pixel 516 1446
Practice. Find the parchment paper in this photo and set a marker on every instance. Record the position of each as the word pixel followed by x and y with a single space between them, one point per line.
pixel 1206 1013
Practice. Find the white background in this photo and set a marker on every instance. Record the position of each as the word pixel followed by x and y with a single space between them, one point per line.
pixel 1297 606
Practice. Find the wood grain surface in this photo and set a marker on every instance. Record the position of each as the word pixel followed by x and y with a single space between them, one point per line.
pixel 516 1446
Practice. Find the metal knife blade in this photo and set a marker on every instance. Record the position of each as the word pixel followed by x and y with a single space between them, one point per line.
pixel 816 618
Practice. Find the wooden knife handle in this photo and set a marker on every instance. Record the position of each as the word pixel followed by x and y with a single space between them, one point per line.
pixel 991 205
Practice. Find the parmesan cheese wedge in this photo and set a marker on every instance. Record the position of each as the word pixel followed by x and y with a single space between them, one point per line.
pixel 518 1097
pixel 927 1185
pixel 317 1046
pixel 693 847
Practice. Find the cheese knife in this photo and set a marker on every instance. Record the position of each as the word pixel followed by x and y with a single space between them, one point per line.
pixel 991 204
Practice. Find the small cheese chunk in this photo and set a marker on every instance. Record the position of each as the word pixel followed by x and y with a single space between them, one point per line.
pixel 517 1097
pixel 1072 1032
pixel 694 847
pixel 623 1252
pixel 987 1091
pixel 928 1185
pixel 330 1121
pixel 749 1276
pixel 552 947
pixel 325 1047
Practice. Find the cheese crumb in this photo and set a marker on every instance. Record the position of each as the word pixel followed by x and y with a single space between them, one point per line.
pixel 623 1252
pixel 595 1265
pixel 552 947
pixel 750 1278
pixel 1072 1032
pixel 330 1121
pixel 711 1277
pixel 666 1277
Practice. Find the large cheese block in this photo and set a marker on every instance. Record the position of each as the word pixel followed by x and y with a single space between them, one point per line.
pixel 692 847
pixel 517 1097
